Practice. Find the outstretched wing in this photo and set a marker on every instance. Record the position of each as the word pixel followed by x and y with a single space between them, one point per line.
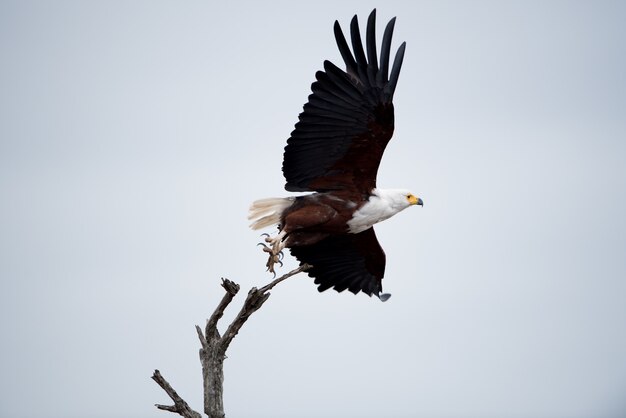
pixel 345 126
pixel 349 261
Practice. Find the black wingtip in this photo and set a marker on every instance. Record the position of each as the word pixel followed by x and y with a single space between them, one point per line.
pixel 357 46
pixel 395 71
pixel 385 50
pixel 370 42
pixel 344 49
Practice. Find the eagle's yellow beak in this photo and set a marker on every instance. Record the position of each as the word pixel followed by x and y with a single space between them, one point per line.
pixel 415 200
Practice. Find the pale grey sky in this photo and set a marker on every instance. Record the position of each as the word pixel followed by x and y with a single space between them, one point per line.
pixel 134 135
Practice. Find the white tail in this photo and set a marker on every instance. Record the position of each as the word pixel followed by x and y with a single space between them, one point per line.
pixel 266 212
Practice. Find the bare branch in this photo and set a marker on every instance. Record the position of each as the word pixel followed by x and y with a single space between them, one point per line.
pixel 254 301
pixel 170 408
pixel 180 406
pixel 269 286
pixel 231 290
pixel 256 298
pixel 203 341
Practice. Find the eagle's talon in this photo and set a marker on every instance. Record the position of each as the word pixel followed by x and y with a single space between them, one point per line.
pixel 270 267
pixel 274 247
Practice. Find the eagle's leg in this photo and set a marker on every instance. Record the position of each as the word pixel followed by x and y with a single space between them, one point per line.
pixel 274 248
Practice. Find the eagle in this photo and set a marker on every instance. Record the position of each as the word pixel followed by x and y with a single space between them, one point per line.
pixel 334 152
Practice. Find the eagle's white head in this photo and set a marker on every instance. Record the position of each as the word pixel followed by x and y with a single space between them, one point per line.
pixel 397 199
pixel 382 204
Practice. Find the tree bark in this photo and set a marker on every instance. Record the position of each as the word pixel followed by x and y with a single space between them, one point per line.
pixel 213 376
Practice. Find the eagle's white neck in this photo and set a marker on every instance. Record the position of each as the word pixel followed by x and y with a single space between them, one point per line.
pixel 382 204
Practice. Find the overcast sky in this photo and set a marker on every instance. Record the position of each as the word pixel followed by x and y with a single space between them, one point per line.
pixel 134 136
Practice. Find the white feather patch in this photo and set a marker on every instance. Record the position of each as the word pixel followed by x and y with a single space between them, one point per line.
pixel 381 205
pixel 267 212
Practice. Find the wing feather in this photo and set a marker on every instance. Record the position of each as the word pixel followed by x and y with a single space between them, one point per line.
pixel 370 42
pixel 348 120
pixel 354 262
pixel 395 70
pixel 357 47
pixel 344 49
pixel 384 53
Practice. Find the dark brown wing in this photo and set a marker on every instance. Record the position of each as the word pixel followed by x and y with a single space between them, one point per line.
pixel 345 126
pixel 348 261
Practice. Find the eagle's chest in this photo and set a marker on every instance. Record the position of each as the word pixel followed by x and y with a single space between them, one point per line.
pixel 372 212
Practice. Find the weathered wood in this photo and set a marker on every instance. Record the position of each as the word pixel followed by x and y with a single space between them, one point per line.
pixel 212 360
pixel 232 289
pixel 255 299
pixel 214 346
pixel 180 406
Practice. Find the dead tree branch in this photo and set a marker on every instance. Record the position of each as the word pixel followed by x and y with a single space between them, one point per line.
pixel 180 406
pixel 214 346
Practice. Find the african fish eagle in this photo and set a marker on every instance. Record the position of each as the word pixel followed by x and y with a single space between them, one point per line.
pixel 334 152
